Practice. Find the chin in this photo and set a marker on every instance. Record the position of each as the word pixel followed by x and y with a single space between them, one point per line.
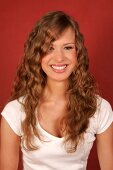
pixel 59 79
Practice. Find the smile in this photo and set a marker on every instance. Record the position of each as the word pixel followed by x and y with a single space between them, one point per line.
pixel 59 67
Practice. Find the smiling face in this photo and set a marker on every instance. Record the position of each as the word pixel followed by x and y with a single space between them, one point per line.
pixel 61 57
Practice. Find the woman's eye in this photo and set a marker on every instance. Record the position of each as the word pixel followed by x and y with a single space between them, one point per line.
pixel 69 47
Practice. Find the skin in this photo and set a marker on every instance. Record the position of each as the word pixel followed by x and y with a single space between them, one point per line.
pixel 105 149
pixel 61 58
pixel 58 64
pixel 9 147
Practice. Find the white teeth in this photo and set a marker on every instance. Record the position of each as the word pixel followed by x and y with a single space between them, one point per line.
pixel 58 67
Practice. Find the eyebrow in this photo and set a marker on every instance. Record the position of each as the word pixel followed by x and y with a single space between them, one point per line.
pixel 67 43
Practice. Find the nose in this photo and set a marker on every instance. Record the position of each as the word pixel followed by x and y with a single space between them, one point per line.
pixel 59 55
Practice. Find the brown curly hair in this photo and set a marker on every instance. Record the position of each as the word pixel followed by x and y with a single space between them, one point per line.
pixel 31 80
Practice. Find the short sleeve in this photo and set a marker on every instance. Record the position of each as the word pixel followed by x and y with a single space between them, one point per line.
pixel 13 115
pixel 104 116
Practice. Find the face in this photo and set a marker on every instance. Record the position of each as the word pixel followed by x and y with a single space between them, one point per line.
pixel 61 58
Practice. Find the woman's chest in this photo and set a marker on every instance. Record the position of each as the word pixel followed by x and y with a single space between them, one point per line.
pixel 52 153
pixel 50 118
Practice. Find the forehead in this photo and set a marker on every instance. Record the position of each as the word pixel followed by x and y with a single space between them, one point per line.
pixel 68 36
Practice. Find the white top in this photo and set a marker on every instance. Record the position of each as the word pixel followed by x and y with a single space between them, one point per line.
pixel 52 154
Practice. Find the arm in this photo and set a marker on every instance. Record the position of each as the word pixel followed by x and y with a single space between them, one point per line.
pixel 105 148
pixel 9 147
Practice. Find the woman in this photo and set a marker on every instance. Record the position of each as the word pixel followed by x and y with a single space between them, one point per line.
pixel 55 113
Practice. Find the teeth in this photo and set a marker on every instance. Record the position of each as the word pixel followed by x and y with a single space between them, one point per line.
pixel 59 67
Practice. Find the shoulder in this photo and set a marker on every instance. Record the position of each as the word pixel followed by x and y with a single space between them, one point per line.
pixel 14 108
pixel 14 105
pixel 104 109
pixel 13 112
pixel 102 118
pixel 103 104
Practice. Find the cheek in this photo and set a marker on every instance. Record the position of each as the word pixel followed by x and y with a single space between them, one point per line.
pixel 43 62
pixel 74 59
pixel 74 62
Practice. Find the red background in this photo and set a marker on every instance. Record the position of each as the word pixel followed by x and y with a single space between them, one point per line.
pixel 96 23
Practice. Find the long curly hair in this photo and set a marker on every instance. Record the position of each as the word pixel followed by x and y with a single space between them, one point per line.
pixel 31 80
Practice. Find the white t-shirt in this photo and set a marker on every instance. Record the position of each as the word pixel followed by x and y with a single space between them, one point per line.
pixel 52 154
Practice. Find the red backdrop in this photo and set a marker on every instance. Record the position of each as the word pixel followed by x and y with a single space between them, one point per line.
pixel 96 23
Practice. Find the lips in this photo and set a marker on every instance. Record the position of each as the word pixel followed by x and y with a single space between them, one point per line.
pixel 59 68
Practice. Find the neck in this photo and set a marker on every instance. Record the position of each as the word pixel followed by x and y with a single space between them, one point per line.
pixel 55 90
